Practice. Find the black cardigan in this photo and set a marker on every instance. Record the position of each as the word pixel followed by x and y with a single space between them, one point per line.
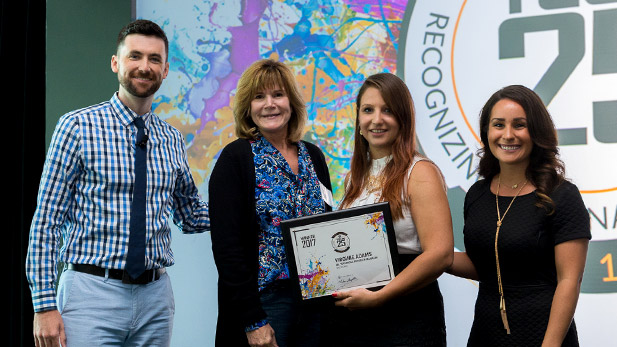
pixel 235 232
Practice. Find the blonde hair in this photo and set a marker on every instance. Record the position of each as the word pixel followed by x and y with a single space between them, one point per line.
pixel 262 74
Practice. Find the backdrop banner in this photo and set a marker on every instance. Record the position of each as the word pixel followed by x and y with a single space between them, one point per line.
pixel 452 54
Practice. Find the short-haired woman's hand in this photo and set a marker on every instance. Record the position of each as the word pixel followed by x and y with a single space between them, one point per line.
pixel 262 337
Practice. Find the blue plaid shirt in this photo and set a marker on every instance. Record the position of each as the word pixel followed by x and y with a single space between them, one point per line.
pixel 86 191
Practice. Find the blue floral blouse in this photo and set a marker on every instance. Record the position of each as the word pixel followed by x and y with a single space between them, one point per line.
pixel 279 195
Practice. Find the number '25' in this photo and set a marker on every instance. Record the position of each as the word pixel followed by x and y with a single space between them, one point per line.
pixel 571 31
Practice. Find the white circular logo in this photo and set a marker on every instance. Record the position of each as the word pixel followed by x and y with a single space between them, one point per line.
pixel 340 242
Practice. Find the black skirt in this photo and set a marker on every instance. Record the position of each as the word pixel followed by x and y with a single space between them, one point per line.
pixel 528 309
pixel 416 319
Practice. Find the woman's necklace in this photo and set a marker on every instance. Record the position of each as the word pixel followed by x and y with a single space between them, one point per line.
pixel 375 179
pixel 514 186
pixel 502 301
pixel 374 183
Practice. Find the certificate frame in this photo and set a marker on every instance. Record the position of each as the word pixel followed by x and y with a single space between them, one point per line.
pixel 351 248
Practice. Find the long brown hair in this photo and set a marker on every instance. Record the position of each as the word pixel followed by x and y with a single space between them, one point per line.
pixel 396 95
pixel 267 73
pixel 546 171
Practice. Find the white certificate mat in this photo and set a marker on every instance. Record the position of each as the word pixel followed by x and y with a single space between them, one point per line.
pixel 353 248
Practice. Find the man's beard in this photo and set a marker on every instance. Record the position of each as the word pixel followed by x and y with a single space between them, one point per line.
pixel 127 83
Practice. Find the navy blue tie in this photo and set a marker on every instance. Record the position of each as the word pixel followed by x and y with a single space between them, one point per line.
pixel 136 259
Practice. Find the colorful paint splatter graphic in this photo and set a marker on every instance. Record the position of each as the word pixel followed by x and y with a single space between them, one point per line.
pixel 376 221
pixel 331 46
pixel 314 280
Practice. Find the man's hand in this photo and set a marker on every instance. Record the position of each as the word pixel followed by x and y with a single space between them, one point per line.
pixel 49 329
pixel 262 337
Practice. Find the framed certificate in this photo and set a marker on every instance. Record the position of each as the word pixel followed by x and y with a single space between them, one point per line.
pixel 353 248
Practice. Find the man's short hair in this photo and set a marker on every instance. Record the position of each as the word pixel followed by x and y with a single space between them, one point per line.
pixel 143 27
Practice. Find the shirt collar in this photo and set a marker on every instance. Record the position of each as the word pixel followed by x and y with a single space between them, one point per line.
pixel 125 114
pixel 259 138
pixel 268 148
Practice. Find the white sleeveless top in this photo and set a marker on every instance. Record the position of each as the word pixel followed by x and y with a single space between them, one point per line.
pixel 405 230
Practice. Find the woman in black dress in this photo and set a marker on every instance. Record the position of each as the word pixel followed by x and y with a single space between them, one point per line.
pixel 526 229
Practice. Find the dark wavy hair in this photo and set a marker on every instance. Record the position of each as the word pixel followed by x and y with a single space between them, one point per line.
pixel 546 171
pixel 142 27
pixel 396 95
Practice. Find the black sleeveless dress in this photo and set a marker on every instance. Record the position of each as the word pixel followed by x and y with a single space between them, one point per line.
pixel 527 260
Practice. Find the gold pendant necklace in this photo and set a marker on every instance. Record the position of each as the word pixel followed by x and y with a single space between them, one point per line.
pixel 374 183
pixel 502 301
pixel 514 186
pixel 375 179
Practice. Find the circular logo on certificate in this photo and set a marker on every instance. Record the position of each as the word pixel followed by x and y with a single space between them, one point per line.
pixel 340 242
pixel 454 54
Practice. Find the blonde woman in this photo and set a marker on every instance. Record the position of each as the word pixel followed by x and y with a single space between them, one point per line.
pixel 265 176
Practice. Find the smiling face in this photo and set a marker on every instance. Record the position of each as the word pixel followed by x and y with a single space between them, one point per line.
pixel 508 135
pixel 271 111
pixel 377 123
pixel 141 66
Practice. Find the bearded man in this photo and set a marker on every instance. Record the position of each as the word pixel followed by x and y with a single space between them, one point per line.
pixel 113 176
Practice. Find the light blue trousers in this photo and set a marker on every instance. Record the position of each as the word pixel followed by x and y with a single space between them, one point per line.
pixel 98 311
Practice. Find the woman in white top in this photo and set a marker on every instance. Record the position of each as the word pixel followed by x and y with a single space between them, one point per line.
pixel 385 166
